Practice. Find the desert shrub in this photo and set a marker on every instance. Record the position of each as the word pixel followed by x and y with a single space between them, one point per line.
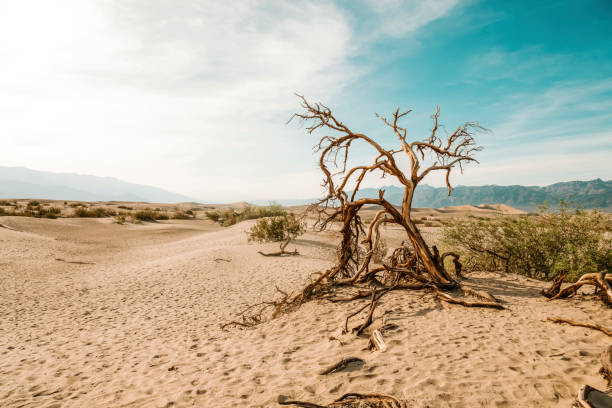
pixel 96 212
pixel 380 251
pixel 190 212
pixel 124 207
pixel 182 215
pixel 6 203
pixel 229 217
pixel 567 241
pixel 120 219
pixel 249 212
pixel 33 204
pixel 149 215
pixel 2 212
pixel 284 227
pixel 213 215
pixel 429 224
pixel 50 212
pixel 36 211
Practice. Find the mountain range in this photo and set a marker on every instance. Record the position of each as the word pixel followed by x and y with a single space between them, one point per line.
pixel 586 194
pixel 19 182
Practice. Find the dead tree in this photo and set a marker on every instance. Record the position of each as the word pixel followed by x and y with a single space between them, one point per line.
pixel 343 200
pixel 413 265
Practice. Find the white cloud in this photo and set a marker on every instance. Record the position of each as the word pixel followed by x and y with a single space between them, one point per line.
pixel 400 17
pixel 189 96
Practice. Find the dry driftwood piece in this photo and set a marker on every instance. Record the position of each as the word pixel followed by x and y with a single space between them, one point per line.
pixel 607 332
pixel 295 252
pixel 555 287
pixel 352 400
pixel 606 364
pixel 479 294
pixel 377 341
pixel 448 298
pixel 341 365
pixel 589 397
pixel 601 281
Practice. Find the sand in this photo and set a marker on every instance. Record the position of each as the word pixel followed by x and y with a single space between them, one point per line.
pixel 96 314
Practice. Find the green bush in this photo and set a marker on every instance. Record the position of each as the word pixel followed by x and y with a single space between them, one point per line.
pixel 275 229
pixel 249 212
pixel 182 215
pixel 149 215
pixel 33 210
pixel 96 212
pixel 213 215
pixel 567 241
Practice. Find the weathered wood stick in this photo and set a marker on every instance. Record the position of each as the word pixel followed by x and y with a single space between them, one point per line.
pixel 377 341
pixel 607 332
pixel 340 365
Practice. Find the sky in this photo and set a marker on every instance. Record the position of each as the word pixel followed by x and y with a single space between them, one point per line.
pixel 194 96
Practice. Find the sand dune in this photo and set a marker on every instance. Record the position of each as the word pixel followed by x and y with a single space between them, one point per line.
pixel 95 314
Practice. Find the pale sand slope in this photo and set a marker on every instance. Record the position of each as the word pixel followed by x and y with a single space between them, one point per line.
pixel 136 324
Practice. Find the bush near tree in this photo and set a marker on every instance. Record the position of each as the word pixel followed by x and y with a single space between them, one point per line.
pixel 568 241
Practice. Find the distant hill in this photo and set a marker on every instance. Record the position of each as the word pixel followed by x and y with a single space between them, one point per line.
pixel 588 194
pixel 19 182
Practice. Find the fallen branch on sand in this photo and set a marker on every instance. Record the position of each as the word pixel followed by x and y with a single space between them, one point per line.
pixel 280 253
pixel 579 324
pixel 351 400
pixel 377 342
pixel 341 365
pixel 601 281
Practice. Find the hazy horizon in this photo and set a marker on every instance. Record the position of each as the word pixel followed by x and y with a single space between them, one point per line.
pixel 194 97
pixel 112 184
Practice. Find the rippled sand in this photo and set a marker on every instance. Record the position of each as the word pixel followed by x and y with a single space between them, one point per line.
pixel 95 314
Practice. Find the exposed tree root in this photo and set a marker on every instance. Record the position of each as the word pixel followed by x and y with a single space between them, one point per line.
pixel 555 287
pixel 447 298
pixel 341 365
pixel 607 332
pixel 479 294
pixel 352 400
pixel 282 251
pixel 601 281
